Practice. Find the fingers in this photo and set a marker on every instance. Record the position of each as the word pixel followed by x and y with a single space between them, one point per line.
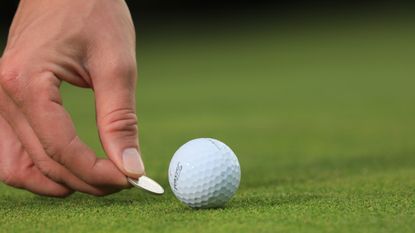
pixel 116 115
pixel 49 167
pixel 34 181
pixel 40 102
pixel 18 170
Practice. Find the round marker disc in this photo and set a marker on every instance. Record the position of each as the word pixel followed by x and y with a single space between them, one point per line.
pixel 147 184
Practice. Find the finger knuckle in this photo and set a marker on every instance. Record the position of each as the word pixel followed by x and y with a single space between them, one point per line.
pixel 11 70
pixel 121 120
pixel 22 90
pixel 123 68
pixel 9 78
pixel 45 168
pixel 44 89
pixel 57 150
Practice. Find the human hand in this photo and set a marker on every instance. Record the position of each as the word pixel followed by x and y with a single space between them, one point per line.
pixel 88 44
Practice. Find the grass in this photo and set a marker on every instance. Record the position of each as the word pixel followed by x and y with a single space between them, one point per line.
pixel 322 119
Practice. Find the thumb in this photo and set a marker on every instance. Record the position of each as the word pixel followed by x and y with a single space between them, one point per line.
pixel 114 89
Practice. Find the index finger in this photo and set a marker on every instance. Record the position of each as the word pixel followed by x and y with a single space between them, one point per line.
pixel 42 104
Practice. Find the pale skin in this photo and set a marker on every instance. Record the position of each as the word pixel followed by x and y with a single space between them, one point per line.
pixel 88 44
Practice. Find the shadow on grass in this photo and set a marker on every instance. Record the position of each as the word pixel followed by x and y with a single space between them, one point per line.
pixel 274 200
pixel 126 198
pixel 258 202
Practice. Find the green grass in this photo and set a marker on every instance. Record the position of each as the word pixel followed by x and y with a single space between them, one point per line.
pixel 322 120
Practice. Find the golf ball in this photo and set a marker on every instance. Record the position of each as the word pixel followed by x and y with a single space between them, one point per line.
pixel 204 173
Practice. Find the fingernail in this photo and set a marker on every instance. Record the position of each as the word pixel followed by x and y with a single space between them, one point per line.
pixel 132 161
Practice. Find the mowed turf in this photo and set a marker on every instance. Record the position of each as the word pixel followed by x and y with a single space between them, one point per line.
pixel 321 118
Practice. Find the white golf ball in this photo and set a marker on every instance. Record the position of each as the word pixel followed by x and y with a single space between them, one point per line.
pixel 204 173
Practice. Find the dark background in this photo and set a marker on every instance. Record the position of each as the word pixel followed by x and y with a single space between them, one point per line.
pixel 156 14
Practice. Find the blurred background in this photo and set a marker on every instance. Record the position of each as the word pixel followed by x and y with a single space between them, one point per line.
pixel 292 86
pixel 315 97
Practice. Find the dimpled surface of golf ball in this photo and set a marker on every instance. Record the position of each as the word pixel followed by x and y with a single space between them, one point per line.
pixel 204 173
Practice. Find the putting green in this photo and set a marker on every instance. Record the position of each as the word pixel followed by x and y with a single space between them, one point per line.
pixel 321 117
